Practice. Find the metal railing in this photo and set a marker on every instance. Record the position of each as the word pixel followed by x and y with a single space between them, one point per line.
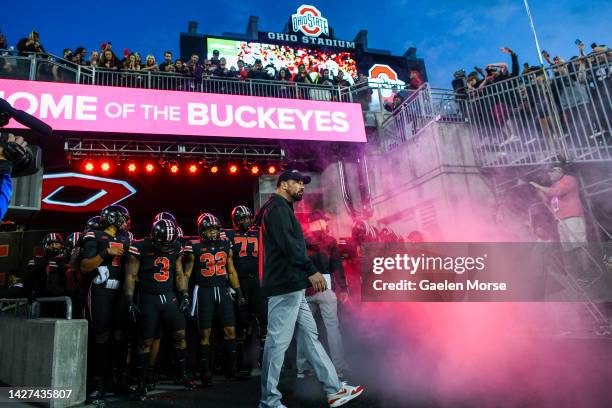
pixel 561 111
pixel 57 299
pixel 31 308
pixel 414 114
pixel 45 67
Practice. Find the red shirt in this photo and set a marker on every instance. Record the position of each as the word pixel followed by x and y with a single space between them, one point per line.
pixel 564 198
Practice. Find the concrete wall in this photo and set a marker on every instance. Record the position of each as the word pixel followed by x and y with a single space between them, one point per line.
pixel 50 353
pixel 430 183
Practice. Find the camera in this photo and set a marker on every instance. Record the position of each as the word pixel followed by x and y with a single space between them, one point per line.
pixel 25 161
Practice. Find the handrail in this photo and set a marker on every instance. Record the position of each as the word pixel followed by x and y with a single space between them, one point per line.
pixel 64 299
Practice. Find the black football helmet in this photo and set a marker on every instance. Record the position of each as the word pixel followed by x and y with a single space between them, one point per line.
pixel 165 216
pixel 242 218
pixel 209 228
pixel 93 224
pixel 116 215
pixel 53 244
pixel 164 234
pixel 71 241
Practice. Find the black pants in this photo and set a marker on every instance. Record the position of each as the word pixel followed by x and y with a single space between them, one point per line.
pixel 213 301
pixel 256 305
pixel 156 309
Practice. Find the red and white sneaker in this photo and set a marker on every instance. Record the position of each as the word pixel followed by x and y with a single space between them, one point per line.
pixel 347 393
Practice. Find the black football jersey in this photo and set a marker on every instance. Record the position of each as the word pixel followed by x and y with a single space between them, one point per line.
pixel 245 249
pixel 157 268
pixel 209 263
pixel 49 275
pixel 96 241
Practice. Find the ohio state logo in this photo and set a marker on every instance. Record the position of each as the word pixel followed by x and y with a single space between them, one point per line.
pixel 89 193
pixel 308 20
pixel 384 77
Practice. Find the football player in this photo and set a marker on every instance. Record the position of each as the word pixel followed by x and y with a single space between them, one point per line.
pixel 47 273
pixel 213 270
pixel 245 247
pixel 154 261
pixel 103 257
pixel 74 281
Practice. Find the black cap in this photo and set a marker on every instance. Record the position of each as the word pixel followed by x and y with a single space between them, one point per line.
pixel 318 215
pixel 292 175
pixel 215 51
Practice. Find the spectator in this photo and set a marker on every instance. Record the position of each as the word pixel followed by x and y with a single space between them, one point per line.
pixel 180 68
pixel 3 43
pixel 214 61
pixel 167 65
pixel 597 48
pixel 79 56
pixel 67 54
pixel 194 67
pixel 302 75
pixel 150 64
pixel 208 70
pixel 397 102
pixel 108 60
pixel 361 79
pixel 94 59
pixel 138 59
pixel 257 72
pixel 25 46
pixel 340 81
pixel 130 63
pixel 415 80
pixel 242 71
pixel 221 70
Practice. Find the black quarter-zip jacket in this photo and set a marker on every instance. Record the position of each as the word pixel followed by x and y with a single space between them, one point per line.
pixel 284 265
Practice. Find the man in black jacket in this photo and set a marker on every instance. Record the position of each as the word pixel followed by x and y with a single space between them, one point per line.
pixel 286 273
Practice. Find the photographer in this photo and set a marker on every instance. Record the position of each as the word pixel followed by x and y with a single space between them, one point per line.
pixel 6 184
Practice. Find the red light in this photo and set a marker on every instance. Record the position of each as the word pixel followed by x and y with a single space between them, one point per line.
pixel 89 166
pixel 255 170
pixel 131 167
pixel 193 168
pixel 233 169
pixel 271 170
pixel 174 168
pixel 105 166
pixel 150 167
pixel 214 169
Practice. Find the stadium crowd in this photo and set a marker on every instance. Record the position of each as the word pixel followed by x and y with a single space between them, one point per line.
pixel 307 70
pixel 510 105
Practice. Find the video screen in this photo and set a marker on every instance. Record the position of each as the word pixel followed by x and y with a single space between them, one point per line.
pixel 283 56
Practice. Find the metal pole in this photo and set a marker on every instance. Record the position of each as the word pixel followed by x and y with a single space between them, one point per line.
pixel 533 30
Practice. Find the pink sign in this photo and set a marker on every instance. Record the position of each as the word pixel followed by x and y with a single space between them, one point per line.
pixel 89 108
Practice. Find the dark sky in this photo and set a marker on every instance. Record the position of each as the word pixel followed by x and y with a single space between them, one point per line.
pixel 449 34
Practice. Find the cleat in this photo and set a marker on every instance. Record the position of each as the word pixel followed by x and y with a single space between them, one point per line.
pixel 96 397
pixel 346 394
pixel 139 393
